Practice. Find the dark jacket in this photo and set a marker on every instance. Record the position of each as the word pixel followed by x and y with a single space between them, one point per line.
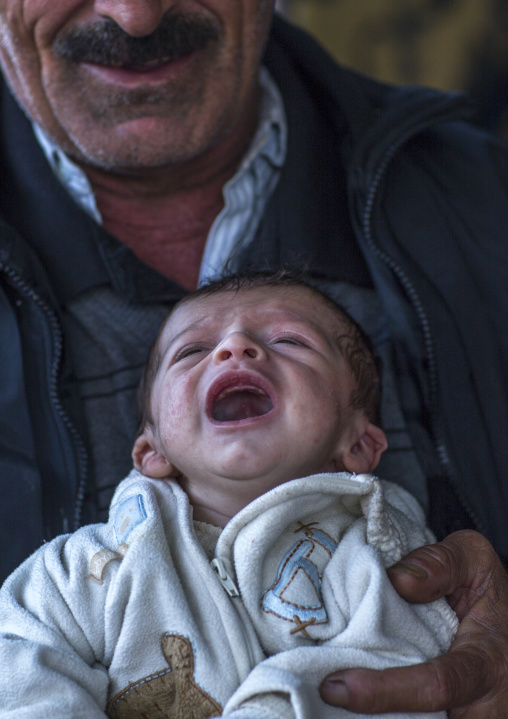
pixel 428 198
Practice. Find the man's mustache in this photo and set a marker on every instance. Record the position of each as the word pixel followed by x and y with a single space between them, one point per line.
pixel 105 43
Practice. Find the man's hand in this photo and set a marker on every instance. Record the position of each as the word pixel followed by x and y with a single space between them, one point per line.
pixel 471 680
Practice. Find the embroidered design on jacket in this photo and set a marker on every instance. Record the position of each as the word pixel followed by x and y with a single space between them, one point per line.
pixel 295 595
pixel 128 515
pixel 171 693
pixel 101 559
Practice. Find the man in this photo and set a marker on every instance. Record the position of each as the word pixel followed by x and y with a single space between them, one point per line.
pixel 154 152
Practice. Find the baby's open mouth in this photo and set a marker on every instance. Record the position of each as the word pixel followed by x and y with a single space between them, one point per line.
pixel 236 403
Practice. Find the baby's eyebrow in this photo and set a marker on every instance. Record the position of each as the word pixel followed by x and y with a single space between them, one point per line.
pixel 190 328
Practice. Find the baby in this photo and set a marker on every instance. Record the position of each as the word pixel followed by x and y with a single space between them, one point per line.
pixel 259 407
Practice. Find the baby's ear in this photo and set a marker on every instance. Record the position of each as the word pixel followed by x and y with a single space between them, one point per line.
pixel 148 460
pixel 365 448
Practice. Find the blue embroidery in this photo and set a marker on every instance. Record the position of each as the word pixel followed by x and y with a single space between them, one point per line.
pixel 129 515
pixel 322 538
pixel 294 560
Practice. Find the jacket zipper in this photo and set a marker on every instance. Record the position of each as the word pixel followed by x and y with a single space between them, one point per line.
pixel 225 577
pixel 438 440
pixel 57 340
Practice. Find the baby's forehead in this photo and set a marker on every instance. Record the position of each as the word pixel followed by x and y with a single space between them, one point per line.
pixel 294 301
pixel 261 304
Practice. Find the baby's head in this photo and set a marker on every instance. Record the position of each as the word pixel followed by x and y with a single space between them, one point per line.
pixel 258 380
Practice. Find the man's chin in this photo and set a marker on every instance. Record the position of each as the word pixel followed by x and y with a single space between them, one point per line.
pixel 122 118
pixel 139 142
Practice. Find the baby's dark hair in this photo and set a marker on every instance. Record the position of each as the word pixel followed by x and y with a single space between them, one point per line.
pixel 354 344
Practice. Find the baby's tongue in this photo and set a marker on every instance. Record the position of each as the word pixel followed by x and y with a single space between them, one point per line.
pixel 241 405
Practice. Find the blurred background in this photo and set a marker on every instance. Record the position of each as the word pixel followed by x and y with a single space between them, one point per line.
pixel 448 44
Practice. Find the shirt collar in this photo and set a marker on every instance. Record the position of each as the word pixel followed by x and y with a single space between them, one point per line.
pixel 248 191
pixel 270 140
pixel 70 175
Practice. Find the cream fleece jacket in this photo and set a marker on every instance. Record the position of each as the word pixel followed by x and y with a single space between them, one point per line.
pixel 131 616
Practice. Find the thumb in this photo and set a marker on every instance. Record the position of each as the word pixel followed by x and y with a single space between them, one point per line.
pixel 461 567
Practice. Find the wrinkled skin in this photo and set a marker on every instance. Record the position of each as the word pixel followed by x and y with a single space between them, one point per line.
pixel 471 679
pixel 109 115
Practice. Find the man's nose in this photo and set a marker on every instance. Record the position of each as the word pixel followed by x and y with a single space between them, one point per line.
pixel 136 17
pixel 240 346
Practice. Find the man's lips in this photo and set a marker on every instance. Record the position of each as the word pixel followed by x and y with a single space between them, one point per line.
pixel 148 66
pixel 154 72
pixel 238 396
pixel 141 68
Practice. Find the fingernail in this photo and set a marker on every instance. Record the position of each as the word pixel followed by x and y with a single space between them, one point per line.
pixel 407 568
pixel 335 692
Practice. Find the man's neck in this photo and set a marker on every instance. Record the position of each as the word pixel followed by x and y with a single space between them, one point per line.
pixel 164 214
pixel 166 230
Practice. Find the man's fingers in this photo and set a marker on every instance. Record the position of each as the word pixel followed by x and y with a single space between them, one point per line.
pixel 473 674
pixel 460 567
pixel 436 685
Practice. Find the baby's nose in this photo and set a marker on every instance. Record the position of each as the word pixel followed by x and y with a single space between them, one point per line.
pixel 239 346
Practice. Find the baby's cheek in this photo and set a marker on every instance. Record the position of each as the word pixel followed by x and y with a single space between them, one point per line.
pixel 175 414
